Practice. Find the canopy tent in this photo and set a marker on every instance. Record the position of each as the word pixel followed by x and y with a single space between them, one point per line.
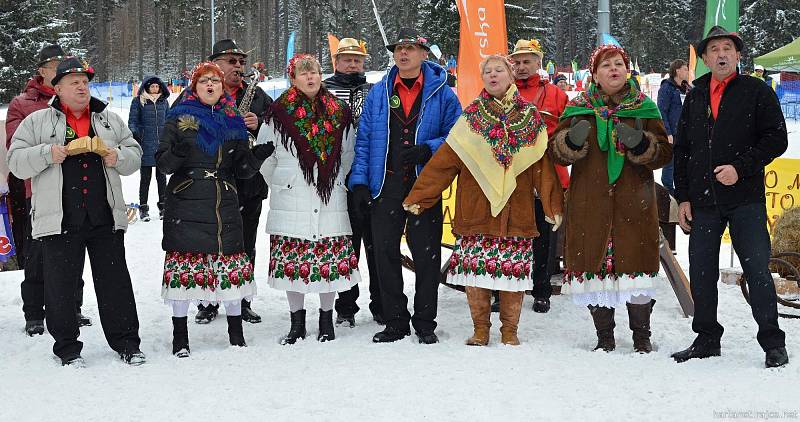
pixel 786 58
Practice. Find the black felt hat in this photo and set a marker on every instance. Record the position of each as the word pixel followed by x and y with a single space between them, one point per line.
pixel 719 32
pixel 72 64
pixel 226 46
pixel 49 53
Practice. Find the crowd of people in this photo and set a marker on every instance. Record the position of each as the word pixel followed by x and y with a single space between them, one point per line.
pixel 343 162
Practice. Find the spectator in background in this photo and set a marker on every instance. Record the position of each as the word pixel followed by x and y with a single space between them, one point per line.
pixel 561 82
pixel 760 73
pixel 148 114
pixel 670 99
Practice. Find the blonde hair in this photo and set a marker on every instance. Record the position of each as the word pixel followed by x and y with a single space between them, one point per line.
pixel 498 58
pixel 302 63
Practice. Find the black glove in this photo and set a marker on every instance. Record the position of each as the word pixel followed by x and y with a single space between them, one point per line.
pixel 181 147
pixel 415 154
pixel 578 132
pixel 629 136
pixel 362 200
pixel 263 151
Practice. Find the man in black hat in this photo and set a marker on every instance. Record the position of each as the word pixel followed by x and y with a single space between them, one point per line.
pixel 731 127
pixel 350 85
pixel 74 152
pixel 232 60
pixel 35 96
pixel 420 110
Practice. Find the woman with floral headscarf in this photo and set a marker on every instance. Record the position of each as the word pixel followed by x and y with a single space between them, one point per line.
pixel 613 137
pixel 497 149
pixel 310 246
pixel 205 147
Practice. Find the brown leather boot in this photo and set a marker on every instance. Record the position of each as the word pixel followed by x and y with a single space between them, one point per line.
pixel 604 324
pixel 639 316
pixel 480 304
pixel 510 307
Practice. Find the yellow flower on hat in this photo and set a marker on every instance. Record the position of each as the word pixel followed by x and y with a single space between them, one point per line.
pixel 534 44
pixel 363 45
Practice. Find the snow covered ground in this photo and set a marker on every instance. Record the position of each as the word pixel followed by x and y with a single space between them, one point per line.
pixel 552 376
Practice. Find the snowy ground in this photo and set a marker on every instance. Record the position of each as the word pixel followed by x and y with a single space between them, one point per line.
pixel 552 376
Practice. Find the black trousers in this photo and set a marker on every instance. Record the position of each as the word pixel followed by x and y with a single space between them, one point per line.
pixel 146 173
pixel 346 302
pixel 251 211
pixel 748 229
pixel 32 286
pixel 541 271
pixel 424 237
pixel 112 283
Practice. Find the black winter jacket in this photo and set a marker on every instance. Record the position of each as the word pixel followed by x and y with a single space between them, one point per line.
pixel 201 211
pixel 749 133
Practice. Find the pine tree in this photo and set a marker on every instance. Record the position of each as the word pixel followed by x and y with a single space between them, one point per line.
pixel 27 27
pixel 766 25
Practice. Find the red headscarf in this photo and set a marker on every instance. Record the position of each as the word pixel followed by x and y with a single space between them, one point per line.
pixel 605 51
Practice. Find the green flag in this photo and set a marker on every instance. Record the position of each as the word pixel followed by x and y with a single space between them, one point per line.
pixel 724 13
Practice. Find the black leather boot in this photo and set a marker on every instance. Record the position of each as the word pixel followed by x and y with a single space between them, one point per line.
pixel 297 329
pixel 325 326
pixel 180 337
pixel 235 333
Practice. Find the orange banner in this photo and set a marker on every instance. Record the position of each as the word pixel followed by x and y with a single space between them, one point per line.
pixel 333 43
pixel 483 32
pixel 692 62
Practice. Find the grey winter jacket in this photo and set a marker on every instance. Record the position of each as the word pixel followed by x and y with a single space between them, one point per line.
pixel 30 157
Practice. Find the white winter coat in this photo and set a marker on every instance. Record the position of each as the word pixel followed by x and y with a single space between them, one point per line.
pixel 295 209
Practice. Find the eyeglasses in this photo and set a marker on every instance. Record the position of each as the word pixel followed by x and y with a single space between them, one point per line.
pixel 233 60
pixel 204 81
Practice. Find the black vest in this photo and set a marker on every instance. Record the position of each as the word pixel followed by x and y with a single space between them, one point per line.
pixel 83 194
pixel 402 132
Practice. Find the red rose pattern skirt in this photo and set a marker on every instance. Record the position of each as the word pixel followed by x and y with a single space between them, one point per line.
pixel 204 277
pixel 306 266
pixel 489 262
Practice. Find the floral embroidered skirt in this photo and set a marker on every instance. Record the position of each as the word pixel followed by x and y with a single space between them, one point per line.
pixel 497 263
pixel 204 277
pixel 306 266
pixel 607 288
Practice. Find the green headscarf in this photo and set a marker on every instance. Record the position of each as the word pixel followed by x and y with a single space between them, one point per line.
pixel 635 104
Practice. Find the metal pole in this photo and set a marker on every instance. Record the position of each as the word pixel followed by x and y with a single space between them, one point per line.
pixel 213 18
pixel 603 18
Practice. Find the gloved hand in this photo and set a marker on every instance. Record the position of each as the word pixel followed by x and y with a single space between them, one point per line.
pixel 413 208
pixel 415 154
pixel 578 132
pixel 181 147
pixel 630 137
pixel 362 201
pixel 264 151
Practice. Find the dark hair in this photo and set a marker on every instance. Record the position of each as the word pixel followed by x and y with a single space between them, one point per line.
pixel 674 66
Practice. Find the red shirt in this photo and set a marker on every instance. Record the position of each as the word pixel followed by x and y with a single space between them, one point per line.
pixel 79 124
pixel 408 95
pixel 717 88
pixel 551 99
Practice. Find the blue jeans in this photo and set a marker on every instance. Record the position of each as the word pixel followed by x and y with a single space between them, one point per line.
pixel 666 177
pixel 748 229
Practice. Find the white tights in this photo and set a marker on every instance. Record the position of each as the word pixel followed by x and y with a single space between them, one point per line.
pixel 297 301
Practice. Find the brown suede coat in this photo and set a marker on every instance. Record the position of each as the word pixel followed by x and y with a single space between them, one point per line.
pixel 473 212
pixel 628 208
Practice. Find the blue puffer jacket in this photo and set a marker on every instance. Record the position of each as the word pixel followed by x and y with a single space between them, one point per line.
pixel 146 120
pixel 669 103
pixel 438 113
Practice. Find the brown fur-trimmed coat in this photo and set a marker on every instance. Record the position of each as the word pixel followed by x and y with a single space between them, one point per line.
pixel 595 209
